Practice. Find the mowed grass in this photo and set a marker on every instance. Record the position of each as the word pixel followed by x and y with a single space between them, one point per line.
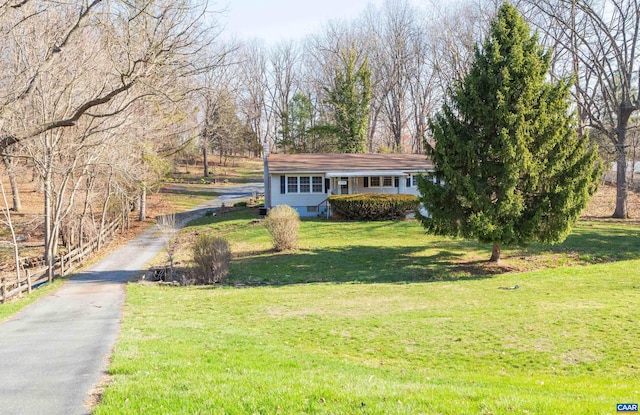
pixel 182 197
pixel 351 251
pixel 229 171
pixel 394 330
pixel 565 342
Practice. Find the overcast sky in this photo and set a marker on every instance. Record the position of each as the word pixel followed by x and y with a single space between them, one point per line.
pixel 277 20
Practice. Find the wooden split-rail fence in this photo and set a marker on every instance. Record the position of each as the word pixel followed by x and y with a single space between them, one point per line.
pixel 30 279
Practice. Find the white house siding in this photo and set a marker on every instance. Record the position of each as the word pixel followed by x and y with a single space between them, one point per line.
pixel 305 203
pixel 332 169
pixel 313 204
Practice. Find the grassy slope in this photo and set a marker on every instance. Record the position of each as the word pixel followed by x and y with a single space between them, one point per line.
pixel 565 342
pixel 399 251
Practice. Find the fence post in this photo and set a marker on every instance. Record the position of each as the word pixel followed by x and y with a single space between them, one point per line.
pixel 62 265
pixel 29 281
pixel 3 290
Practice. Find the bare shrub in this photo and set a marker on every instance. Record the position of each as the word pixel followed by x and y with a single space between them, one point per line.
pixel 283 223
pixel 212 258
pixel 168 225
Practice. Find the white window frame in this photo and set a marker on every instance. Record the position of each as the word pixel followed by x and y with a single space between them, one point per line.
pixel 314 185
pixel 307 184
pixel 380 180
pixel 290 184
pixel 298 184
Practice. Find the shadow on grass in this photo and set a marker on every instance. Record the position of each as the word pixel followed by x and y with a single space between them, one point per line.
pixel 225 219
pixel 596 242
pixel 411 259
pixel 359 264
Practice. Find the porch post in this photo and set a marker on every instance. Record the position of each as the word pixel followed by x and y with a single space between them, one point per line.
pixel 267 181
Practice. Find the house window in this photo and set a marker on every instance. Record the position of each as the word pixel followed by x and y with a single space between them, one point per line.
pixel 384 181
pixel 414 180
pixel 292 184
pixel 305 184
pixel 317 184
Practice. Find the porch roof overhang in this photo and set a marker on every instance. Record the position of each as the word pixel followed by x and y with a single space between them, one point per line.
pixel 364 173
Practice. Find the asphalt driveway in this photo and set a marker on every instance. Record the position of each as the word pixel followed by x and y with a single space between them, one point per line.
pixel 54 352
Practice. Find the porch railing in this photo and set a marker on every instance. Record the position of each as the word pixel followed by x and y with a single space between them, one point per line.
pixel 324 205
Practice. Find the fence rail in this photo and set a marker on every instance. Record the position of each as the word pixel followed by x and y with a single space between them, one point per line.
pixel 63 264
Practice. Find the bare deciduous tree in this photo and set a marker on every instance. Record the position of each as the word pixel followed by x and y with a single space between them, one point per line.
pixel 80 70
pixel 284 61
pixel 253 89
pixel 4 207
pixel 600 42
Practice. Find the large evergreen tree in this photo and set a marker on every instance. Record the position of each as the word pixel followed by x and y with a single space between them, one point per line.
pixel 512 166
pixel 350 98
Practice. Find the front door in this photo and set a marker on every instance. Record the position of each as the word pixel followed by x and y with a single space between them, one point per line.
pixel 343 185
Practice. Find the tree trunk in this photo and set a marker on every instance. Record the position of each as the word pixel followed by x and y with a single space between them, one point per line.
pixel 48 231
pixel 372 129
pixel 205 161
pixel 48 213
pixel 621 186
pixel 143 203
pixel 83 215
pixel 53 249
pixel 125 214
pixel 15 192
pixel 634 160
pixel 14 242
pixel 495 253
pixel 624 114
pixel 103 216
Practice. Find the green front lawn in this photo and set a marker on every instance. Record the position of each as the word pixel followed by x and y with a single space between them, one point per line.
pixel 404 324
pixel 565 342
pixel 351 251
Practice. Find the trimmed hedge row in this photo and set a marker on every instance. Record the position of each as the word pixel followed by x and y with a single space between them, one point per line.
pixel 373 206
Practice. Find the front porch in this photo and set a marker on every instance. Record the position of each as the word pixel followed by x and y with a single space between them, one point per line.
pixel 347 183
pixel 305 181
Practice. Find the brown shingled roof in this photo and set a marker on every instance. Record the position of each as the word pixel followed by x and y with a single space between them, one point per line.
pixel 317 163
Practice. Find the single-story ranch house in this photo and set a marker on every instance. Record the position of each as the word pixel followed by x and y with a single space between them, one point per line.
pixel 305 181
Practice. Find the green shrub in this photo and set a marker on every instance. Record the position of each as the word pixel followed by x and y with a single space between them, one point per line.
pixel 212 258
pixel 373 206
pixel 283 223
pixel 240 204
